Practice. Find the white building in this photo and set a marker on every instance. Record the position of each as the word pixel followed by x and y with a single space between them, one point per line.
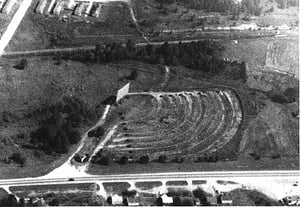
pixel 8 6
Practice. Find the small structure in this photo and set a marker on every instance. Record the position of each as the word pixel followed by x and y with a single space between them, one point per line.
pixel 166 200
pixel 79 9
pixel 1 4
pixel 98 10
pixel 133 201
pixel 51 5
pixel 226 199
pixel 8 6
pixel 291 200
pixel 197 202
pixel 116 200
pixel 39 202
pixel 88 9
pixel 41 7
pixel 58 8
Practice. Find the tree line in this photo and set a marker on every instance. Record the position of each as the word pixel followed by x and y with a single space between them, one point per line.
pixel 252 7
pixel 203 56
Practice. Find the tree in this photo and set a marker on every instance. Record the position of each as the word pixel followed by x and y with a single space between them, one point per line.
pixel 99 131
pixel 18 158
pixel 54 202
pixel 178 160
pixel 199 193
pixel 124 160
pixel 74 136
pixel 11 200
pixel 162 159
pixel 129 193
pixel 291 94
pixel 144 159
pixel 21 65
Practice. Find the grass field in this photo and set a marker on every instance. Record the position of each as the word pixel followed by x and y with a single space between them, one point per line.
pixel 42 84
pixel 45 82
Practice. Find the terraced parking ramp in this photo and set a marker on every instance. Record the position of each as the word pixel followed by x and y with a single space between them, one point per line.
pixel 169 125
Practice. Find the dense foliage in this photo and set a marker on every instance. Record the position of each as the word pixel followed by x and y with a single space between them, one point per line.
pixel 253 7
pixel 59 127
pixel 201 55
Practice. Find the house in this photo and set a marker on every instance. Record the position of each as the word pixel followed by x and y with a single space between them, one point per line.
pixel 166 200
pixel 98 10
pixel 226 199
pixel 8 6
pixel 116 200
pixel 197 202
pixel 79 9
pixel 41 7
pixel 39 202
pixel 50 7
pixel 292 200
pixel 58 8
pixel 133 201
pixel 1 4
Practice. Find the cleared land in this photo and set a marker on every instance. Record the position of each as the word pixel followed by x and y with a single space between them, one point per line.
pixel 176 125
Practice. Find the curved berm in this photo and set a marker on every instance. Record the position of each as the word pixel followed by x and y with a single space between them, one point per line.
pixel 184 124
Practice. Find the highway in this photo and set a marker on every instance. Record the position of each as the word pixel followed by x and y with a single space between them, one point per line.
pixel 154 177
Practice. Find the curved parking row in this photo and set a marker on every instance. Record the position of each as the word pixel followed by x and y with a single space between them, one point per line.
pixel 184 124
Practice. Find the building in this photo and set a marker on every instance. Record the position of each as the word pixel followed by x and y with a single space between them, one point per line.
pixel 41 7
pixel 79 9
pixel 116 200
pixel 292 200
pixel 8 6
pixel 226 199
pixel 133 201
pixel 1 4
pixel 51 5
pixel 58 8
pixel 97 11
pixel 166 200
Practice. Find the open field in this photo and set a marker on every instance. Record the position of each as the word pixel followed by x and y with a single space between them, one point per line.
pixel 267 54
pixel 45 82
pixel 24 93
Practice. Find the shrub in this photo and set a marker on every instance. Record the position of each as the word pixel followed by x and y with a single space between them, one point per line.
pixel 144 159
pixel 18 158
pixel 99 131
pixel 162 159
pixel 129 193
pixel 124 160
pixel 74 136
pixel 178 160
pixel 291 94
pixel 199 193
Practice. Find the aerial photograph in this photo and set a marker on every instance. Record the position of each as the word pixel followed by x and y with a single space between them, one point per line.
pixel 149 103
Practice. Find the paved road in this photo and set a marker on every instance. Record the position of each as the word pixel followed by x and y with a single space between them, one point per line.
pixel 152 177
